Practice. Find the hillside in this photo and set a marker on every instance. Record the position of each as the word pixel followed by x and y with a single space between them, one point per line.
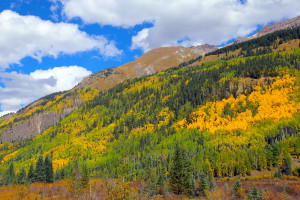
pixel 237 114
pixel 177 121
pixel 47 111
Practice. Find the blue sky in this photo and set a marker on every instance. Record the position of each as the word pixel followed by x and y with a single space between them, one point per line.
pixel 50 45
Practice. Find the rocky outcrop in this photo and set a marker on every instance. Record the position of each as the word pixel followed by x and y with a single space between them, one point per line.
pixel 34 126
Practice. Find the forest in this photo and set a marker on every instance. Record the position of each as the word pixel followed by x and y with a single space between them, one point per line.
pixel 204 131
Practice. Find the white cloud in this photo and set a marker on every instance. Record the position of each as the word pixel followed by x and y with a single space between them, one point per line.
pixel 22 89
pixel 205 21
pixel 138 41
pixel 23 36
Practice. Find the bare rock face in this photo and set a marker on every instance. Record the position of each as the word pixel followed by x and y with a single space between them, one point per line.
pixel 34 126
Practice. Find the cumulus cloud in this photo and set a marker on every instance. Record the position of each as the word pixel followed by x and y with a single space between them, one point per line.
pixel 23 36
pixel 205 21
pixel 22 89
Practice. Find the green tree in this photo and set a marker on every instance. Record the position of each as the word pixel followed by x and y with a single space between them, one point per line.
pixel 150 177
pixel 49 174
pixel 10 175
pixel 85 175
pixel 211 182
pixel 31 175
pixel 22 178
pixel 203 185
pixel 180 173
pixel 162 178
pixel 40 175
pixel 254 194
pixel 237 187
pixel 287 164
pixel 278 173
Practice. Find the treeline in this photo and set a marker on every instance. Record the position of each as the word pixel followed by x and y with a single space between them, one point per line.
pixel 41 172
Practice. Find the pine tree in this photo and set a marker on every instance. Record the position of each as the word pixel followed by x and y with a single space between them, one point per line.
pixel 203 185
pixel 10 175
pixel 150 177
pixel 211 182
pixel 278 173
pixel 40 175
pixel 237 187
pixel 162 178
pixel 31 175
pixel 85 176
pixel 180 173
pixel 22 178
pixel 287 164
pixel 254 194
pixel 49 174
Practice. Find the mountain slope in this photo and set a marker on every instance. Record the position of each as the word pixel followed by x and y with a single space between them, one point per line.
pixel 43 113
pixel 47 111
pixel 233 116
pixel 153 61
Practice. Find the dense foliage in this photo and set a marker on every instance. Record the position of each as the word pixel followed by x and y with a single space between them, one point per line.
pixel 230 117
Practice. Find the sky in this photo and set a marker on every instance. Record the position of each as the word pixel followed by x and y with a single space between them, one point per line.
pixel 48 46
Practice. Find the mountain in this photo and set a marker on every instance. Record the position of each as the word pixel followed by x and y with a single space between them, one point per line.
pixel 47 111
pixel 153 61
pixel 289 23
pixel 233 113
pixel 43 113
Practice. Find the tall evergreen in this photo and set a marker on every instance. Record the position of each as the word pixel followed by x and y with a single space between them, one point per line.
pixel 237 187
pixel 180 173
pixel 40 175
pixel 22 178
pixel 203 185
pixel 10 175
pixel 49 174
pixel 85 176
pixel 287 164
pixel 31 175
pixel 162 178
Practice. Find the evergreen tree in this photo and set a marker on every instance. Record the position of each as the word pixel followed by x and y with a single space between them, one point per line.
pixel 85 176
pixel 278 173
pixel 150 177
pixel 287 169
pixel 10 175
pixel 22 178
pixel 237 187
pixel 180 173
pixel 40 175
pixel 211 182
pixel 203 185
pixel 49 174
pixel 254 194
pixel 31 175
pixel 162 178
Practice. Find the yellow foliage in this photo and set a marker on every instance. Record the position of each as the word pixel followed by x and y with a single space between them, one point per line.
pixel 273 103
pixel 7 157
